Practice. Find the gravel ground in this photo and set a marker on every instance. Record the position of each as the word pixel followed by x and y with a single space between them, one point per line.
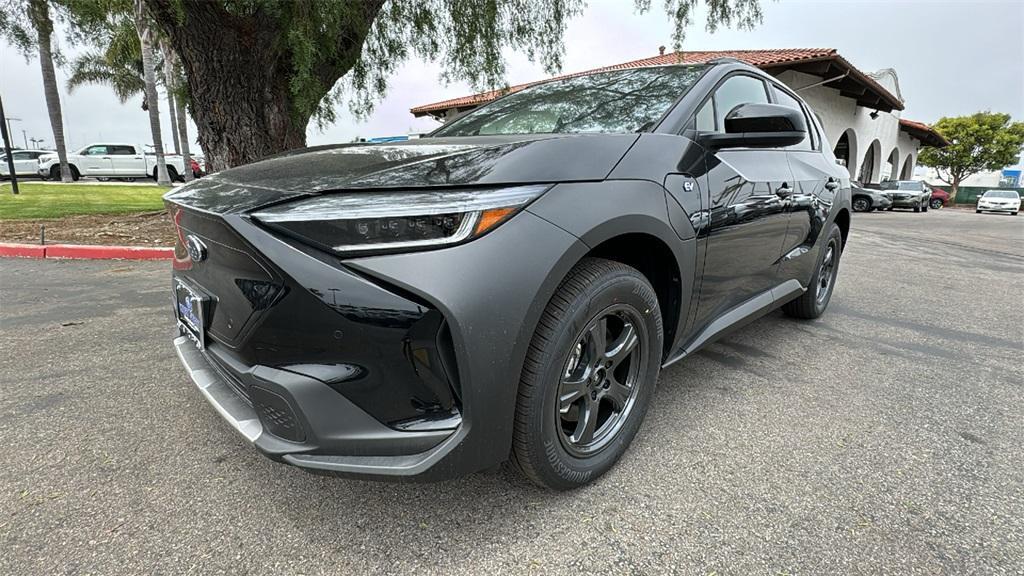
pixel 886 437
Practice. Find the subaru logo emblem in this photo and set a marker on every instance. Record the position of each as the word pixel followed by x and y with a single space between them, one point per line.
pixel 196 248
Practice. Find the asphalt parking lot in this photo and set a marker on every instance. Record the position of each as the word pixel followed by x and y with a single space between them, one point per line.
pixel 887 437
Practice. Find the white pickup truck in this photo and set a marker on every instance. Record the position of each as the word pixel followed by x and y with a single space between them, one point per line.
pixel 111 160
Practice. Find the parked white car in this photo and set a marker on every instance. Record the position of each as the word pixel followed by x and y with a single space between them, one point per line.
pixel 111 160
pixel 999 201
pixel 26 162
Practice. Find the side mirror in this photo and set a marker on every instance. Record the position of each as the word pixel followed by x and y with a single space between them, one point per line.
pixel 759 126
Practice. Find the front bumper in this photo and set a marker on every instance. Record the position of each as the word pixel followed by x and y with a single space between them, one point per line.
pixel 333 365
pixel 999 208
pixel 906 201
pixel 369 447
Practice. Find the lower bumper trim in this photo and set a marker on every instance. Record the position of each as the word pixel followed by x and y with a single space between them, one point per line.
pixel 217 392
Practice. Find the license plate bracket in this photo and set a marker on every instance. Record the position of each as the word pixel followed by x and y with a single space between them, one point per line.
pixel 190 308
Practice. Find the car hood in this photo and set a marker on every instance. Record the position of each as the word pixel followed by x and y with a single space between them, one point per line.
pixel 422 163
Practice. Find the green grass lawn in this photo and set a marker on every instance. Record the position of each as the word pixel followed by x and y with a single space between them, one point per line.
pixel 45 200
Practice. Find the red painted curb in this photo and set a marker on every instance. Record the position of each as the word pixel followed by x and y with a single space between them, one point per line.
pixel 84 252
pixel 23 250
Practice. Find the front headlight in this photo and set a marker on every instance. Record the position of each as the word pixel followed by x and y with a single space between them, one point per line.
pixel 355 222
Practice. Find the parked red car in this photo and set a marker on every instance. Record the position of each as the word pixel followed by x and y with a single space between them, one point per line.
pixel 939 198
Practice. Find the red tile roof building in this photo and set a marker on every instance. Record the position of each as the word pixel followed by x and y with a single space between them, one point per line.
pixel 859 110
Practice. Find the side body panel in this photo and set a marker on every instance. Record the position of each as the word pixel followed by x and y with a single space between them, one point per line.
pixel 821 188
pixel 748 221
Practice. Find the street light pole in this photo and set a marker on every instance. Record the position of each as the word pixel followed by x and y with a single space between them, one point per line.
pixel 4 126
pixel 9 120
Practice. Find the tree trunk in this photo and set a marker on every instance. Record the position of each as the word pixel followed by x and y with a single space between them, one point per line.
pixel 238 69
pixel 173 109
pixel 175 82
pixel 171 97
pixel 954 190
pixel 149 71
pixel 183 138
pixel 39 12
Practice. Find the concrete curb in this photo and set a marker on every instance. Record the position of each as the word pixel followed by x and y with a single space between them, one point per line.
pixel 85 252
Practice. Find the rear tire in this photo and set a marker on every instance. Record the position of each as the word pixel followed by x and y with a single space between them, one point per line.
pixel 596 353
pixel 172 174
pixel 936 204
pixel 813 302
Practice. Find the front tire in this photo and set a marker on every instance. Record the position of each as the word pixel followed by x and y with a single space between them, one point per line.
pixel 589 375
pixel 936 204
pixel 861 204
pixel 813 302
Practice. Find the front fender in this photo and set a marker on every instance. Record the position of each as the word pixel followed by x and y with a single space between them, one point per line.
pixel 599 212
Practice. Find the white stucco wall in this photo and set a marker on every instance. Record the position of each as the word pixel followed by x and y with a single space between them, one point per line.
pixel 839 114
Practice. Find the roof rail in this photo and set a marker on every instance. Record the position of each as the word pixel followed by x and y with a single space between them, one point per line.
pixel 727 60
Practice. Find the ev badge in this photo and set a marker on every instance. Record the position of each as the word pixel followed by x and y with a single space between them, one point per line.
pixel 688 186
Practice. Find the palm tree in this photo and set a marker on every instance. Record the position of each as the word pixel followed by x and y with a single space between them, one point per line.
pixel 118 64
pixel 39 15
pixel 145 31
pixel 175 89
pixel 168 69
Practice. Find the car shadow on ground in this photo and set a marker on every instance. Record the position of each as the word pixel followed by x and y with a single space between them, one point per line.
pixel 500 502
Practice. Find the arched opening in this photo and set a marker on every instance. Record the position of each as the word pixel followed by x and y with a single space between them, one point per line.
pixel 908 169
pixel 871 165
pixel 846 151
pixel 893 167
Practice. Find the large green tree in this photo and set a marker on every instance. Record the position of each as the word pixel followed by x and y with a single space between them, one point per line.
pixel 982 141
pixel 258 71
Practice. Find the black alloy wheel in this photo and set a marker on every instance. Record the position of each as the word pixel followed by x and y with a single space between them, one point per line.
pixel 588 376
pixel 598 389
pixel 813 302
pixel 827 273
pixel 861 204
pixel 936 204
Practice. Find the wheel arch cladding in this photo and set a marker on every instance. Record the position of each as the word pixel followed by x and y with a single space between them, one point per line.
pixel 843 221
pixel 627 221
pixel 654 259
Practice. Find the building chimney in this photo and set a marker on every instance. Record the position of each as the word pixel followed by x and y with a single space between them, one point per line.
pixel 661 50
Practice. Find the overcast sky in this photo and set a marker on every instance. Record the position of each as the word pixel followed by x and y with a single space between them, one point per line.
pixel 952 58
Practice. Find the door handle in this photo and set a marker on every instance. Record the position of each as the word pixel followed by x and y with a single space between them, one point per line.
pixel 831 185
pixel 784 191
pixel 105 157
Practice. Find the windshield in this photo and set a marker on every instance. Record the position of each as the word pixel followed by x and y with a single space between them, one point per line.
pixel 1002 194
pixel 622 101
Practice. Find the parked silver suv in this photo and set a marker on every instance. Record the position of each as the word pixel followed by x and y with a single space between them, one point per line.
pixel 908 194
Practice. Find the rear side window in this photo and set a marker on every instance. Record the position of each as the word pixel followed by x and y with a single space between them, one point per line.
pixel 735 91
pixel 784 99
pixel 122 150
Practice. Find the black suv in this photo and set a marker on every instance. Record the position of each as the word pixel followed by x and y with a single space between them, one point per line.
pixel 510 286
